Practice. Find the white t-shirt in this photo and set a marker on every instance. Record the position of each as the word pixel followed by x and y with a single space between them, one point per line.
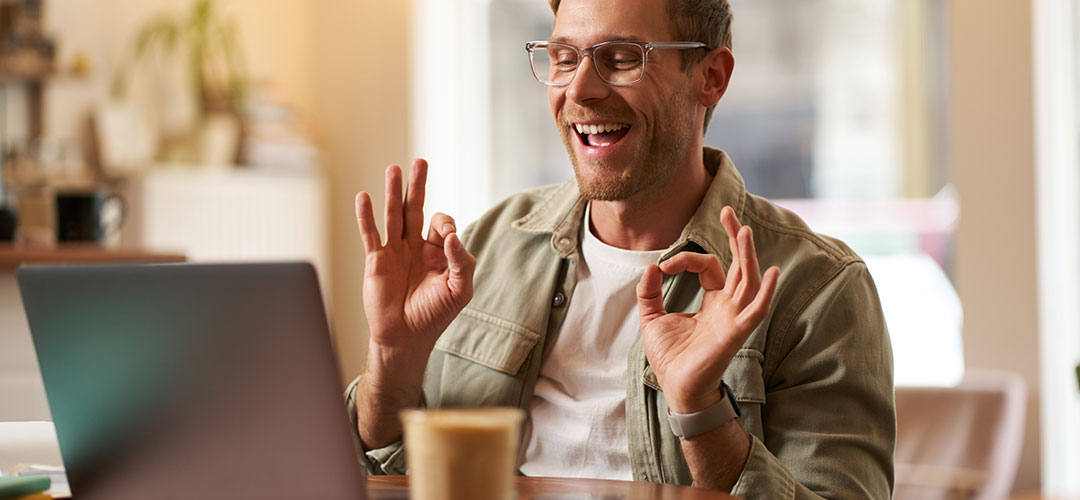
pixel 579 405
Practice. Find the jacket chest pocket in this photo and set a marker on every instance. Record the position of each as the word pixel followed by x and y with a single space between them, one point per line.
pixel 487 340
pixel 479 361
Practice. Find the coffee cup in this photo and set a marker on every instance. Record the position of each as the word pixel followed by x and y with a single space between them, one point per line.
pixel 462 454
pixel 88 216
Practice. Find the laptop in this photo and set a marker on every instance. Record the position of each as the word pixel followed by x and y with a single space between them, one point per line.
pixel 192 381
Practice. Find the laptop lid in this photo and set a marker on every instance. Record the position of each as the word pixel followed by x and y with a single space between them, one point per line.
pixel 192 381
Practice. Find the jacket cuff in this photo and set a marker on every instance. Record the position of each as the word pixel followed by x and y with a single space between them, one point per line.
pixel 388 460
pixel 763 476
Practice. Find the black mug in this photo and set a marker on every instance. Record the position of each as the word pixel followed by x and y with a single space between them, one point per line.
pixel 87 216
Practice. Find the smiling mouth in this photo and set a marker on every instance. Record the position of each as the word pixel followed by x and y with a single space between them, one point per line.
pixel 600 134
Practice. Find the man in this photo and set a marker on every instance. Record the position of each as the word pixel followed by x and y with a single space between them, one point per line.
pixel 631 369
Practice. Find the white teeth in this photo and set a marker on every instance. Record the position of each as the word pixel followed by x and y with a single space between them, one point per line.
pixel 599 129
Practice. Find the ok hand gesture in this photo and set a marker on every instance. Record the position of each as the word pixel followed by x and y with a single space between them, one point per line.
pixel 690 352
pixel 413 287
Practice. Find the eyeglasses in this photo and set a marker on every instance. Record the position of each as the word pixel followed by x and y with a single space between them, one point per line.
pixel 617 63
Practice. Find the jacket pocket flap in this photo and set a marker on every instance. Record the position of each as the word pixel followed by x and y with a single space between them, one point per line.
pixel 743 375
pixel 745 378
pixel 490 341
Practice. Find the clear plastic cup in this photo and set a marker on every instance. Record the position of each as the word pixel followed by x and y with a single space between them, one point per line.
pixel 462 454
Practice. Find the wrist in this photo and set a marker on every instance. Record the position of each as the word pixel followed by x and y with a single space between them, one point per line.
pixel 693 403
pixel 395 361
pixel 393 378
pixel 721 413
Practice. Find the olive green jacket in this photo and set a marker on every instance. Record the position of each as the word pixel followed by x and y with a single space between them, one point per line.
pixel 814 380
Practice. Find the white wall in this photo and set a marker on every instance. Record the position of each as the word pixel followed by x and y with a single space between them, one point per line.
pixel 992 155
pixel 361 88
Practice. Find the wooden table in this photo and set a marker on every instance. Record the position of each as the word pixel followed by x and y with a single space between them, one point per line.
pixel 551 488
pixel 1038 496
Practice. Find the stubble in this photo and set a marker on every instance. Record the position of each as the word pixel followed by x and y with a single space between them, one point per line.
pixel 652 161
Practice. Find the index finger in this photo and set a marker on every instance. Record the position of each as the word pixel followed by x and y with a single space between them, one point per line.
pixel 414 199
pixel 707 267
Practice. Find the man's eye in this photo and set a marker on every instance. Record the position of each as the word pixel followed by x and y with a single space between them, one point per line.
pixel 623 63
pixel 622 59
pixel 564 59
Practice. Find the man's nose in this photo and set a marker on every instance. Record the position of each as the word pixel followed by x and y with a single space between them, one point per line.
pixel 586 85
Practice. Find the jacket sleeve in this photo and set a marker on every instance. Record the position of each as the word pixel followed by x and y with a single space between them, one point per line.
pixel 388 460
pixel 829 423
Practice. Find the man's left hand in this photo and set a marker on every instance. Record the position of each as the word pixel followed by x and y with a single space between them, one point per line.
pixel 690 352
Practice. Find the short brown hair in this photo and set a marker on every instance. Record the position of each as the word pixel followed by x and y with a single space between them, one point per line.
pixel 705 21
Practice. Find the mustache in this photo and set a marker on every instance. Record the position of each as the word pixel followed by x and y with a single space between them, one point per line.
pixel 568 117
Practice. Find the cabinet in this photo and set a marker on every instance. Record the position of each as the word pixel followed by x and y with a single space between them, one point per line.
pixel 232 214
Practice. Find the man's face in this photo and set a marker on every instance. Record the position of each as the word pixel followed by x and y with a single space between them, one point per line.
pixel 653 120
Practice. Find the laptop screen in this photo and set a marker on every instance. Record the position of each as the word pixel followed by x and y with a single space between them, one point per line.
pixel 203 381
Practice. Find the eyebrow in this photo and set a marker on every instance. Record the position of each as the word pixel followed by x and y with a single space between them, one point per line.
pixel 606 38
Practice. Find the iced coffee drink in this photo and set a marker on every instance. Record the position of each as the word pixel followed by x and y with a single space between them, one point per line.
pixel 466 454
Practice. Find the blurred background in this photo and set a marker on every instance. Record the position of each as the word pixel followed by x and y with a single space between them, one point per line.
pixel 939 138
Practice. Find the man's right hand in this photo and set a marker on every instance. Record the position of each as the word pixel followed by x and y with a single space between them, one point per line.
pixel 413 288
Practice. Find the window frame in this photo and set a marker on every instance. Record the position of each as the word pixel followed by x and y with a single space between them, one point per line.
pixel 1058 183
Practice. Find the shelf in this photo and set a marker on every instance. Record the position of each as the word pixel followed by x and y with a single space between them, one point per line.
pixel 14 255
pixel 25 77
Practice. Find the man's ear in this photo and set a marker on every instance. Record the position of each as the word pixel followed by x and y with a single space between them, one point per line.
pixel 717 69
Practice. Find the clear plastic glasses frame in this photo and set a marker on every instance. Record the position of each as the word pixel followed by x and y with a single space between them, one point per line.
pixel 632 69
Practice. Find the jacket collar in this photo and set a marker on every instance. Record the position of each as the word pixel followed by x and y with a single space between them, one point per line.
pixel 561 212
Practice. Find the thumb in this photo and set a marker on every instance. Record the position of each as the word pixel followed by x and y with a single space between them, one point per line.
pixel 650 297
pixel 461 265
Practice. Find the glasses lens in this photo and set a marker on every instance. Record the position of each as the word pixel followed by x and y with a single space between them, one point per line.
pixel 620 62
pixel 554 62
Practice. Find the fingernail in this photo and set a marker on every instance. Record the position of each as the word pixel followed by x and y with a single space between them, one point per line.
pixel 447 228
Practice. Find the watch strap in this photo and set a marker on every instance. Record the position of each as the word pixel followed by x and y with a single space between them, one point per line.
pixel 689 425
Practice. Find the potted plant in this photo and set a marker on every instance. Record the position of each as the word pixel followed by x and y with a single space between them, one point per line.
pixel 211 50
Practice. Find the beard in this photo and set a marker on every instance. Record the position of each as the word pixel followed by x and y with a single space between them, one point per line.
pixel 654 154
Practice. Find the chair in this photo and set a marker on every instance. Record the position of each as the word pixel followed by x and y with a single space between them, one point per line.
pixel 962 441
pixel 28 443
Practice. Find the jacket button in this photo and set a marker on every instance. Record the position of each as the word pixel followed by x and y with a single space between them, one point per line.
pixel 564 243
pixel 558 300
